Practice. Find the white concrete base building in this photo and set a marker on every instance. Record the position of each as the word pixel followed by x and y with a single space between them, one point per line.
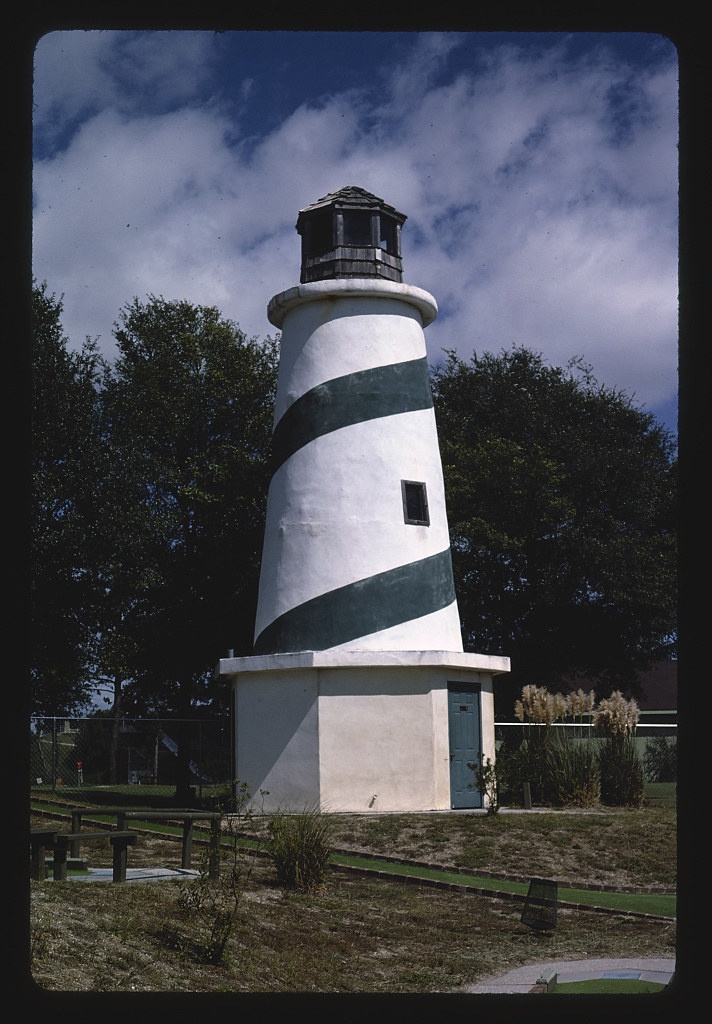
pixel 363 731
pixel 358 696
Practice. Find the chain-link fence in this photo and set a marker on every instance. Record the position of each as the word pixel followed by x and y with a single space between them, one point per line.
pixel 137 759
pixel 651 724
pixel 655 738
pixel 96 758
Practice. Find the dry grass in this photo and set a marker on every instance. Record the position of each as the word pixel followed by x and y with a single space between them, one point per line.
pixel 361 934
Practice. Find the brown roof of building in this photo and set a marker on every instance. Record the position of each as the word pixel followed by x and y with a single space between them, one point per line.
pixel 352 195
pixel 658 687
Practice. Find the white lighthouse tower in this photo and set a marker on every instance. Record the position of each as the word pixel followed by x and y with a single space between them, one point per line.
pixel 358 696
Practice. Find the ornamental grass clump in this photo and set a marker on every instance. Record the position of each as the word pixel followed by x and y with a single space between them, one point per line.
pixel 616 716
pixel 580 705
pixel 620 764
pixel 301 846
pixel 538 709
pixel 573 772
pixel 558 760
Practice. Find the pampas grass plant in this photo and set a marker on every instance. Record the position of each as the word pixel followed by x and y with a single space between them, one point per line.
pixel 621 767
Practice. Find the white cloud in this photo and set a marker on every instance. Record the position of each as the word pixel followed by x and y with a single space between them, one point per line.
pixel 534 216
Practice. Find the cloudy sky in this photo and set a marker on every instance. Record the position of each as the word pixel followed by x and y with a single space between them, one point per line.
pixel 538 173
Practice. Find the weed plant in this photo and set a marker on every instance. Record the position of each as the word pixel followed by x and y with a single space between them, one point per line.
pixel 301 845
pixel 487 783
pixel 212 902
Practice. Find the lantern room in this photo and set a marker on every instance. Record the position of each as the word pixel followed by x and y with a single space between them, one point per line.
pixel 350 233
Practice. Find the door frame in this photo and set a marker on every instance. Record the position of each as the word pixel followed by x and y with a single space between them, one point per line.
pixel 474 691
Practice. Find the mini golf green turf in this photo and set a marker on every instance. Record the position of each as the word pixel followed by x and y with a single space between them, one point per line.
pixel 606 986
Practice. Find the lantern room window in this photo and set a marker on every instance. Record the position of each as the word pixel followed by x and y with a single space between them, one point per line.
pixel 357 227
pixel 350 234
pixel 319 233
pixel 389 235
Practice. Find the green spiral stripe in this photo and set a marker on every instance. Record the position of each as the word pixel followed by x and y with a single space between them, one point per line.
pixel 364 607
pixel 353 398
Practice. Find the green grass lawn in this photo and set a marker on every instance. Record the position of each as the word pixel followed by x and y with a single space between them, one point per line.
pixel 365 930
pixel 606 987
pixel 661 905
pixel 656 904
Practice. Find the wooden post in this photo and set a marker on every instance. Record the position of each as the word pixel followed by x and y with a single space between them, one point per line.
pixel 527 790
pixel 40 840
pixel 60 860
pixel 214 854
pixel 187 842
pixel 76 827
pixel 120 846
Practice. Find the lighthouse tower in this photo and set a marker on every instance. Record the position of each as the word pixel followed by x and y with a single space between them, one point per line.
pixel 358 696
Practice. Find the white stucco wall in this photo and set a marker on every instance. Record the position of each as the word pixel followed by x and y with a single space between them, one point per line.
pixel 383 740
pixel 330 333
pixel 335 516
pixel 370 735
pixel 335 506
pixel 277 737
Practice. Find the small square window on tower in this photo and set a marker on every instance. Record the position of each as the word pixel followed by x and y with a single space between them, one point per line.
pixel 415 503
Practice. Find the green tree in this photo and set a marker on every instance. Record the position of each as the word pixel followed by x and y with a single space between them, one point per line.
pixel 561 502
pixel 65 459
pixel 188 406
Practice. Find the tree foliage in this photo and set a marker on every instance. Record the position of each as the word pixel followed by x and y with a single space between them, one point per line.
pixel 150 479
pixel 188 407
pixel 561 504
pixel 150 482
pixel 65 461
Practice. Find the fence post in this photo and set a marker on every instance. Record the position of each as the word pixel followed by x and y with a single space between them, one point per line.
pixel 214 849
pixel 75 845
pixel 55 756
pixel 187 842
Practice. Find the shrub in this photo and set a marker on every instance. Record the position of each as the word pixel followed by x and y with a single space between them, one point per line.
pixel 622 779
pixel 301 845
pixel 538 710
pixel 621 769
pixel 572 771
pixel 212 900
pixel 509 773
pixel 487 783
pixel 660 759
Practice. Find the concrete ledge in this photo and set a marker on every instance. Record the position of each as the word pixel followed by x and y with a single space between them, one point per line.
pixel 338 658
pixel 354 287
pixel 547 979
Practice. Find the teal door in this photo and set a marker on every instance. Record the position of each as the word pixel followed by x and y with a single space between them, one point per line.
pixel 465 745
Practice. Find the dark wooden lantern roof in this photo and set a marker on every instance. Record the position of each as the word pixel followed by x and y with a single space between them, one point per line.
pixel 350 233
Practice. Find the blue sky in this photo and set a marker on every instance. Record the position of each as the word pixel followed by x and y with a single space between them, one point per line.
pixel 538 173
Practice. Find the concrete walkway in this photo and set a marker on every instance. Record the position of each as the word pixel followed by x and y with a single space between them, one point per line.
pixel 523 979
pixel 135 875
